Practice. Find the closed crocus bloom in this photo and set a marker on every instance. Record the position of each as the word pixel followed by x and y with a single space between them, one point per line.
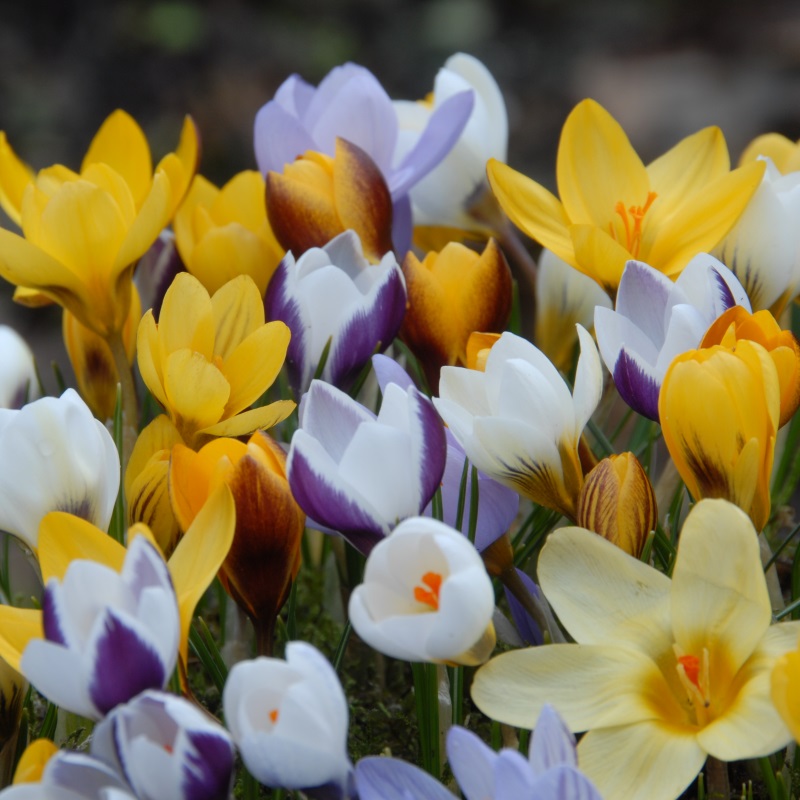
pixel 265 555
pixel 317 197
pixel 782 346
pixel 564 298
pixel 18 382
pixel 762 248
pixel 425 596
pixel 332 294
pixel 359 474
pixel 55 456
pixel 724 444
pixel 612 208
pixel 450 295
pixel 663 672
pixel 84 232
pixel 518 422
pixel 289 720
pixel 655 320
pixel 222 233
pixel 166 746
pixel 210 358
pixel 92 359
pixel 447 195
pixel 618 502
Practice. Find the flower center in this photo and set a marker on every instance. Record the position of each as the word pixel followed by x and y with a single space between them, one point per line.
pixel 632 218
pixel 693 674
pixel 429 596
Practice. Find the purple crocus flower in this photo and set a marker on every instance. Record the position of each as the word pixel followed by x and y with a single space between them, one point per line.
pixel 166 747
pixel 655 320
pixel 360 474
pixel 333 293
pixel 549 773
pixel 108 635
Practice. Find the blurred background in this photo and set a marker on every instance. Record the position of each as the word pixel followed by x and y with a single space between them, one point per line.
pixel 663 68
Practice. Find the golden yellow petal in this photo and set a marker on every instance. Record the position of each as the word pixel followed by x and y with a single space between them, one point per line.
pixel 109 180
pixel 160 434
pixel 262 418
pixel 782 151
pixel 196 391
pixel 187 318
pixel 149 502
pixel 33 761
pixel 238 311
pixel 15 175
pixel 599 256
pixel 31 298
pixel 181 165
pixel 148 347
pixel 17 627
pixel 242 199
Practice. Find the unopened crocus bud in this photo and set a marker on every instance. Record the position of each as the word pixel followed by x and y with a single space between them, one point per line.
pixel 18 382
pixel 617 501
pixel 479 345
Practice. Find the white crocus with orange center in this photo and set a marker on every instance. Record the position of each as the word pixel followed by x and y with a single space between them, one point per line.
pixel 662 673
pixel 426 596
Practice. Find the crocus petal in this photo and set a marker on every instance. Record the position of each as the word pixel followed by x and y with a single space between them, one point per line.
pixel 387 371
pixel 379 778
pixel 18 627
pixel 552 743
pixel 472 763
pixel 262 418
pixel 279 138
pixel 637 383
pixel 641 290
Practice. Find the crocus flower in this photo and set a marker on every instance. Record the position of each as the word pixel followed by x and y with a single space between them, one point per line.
pixel 166 746
pixel 450 295
pixel 656 320
pixel 612 208
pixel 518 422
pixel 426 596
pixel 83 233
pixel 550 771
pixel 719 413
pixel 208 359
pixel 663 672
pixel 334 294
pixel 222 233
pixel 359 474
pixel 452 190
pixel 564 298
pixel 55 456
pixel 18 382
pixel 289 720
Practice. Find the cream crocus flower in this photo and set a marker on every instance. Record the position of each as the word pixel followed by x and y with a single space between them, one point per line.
pixel 612 208
pixel 663 673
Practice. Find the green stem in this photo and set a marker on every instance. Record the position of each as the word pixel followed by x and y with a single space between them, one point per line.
pixel 130 405
pixel 717 779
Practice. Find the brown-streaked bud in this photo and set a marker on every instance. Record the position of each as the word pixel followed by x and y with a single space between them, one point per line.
pixel 618 502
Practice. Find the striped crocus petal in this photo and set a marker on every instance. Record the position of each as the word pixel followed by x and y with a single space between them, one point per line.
pixel 428 445
pixel 637 383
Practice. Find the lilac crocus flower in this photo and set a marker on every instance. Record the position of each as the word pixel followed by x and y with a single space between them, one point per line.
pixel 333 293
pixel 108 635
pixel 655 320
pixel 549 773
pixel 359 474
pixel 166 746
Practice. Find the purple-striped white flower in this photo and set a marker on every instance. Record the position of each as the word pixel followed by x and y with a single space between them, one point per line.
pixel 55 456
pixel 333 293
pixel 108 635
pixel 359 474
pixel 18 382
pixel 550 772
pixel 655 320
pixel 289 720
pixel 166 746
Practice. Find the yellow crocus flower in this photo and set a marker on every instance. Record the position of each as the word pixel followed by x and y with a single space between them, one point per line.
pixel 222 233
pixel 84 232
pixel 613 208
pixel 719 412
pixel 209 358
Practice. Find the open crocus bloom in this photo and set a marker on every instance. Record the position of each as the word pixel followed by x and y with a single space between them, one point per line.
pixel 663 673
pixel 289 720
pixel 612 208
pixel 655 320
pixel 426 596
pixel 55 456
pixel 518 421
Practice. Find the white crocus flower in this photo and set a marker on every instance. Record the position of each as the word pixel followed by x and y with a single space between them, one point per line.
pixel 55 456
pixel 426 596
pixel 289 720
pixel 18 383
pixel 518 421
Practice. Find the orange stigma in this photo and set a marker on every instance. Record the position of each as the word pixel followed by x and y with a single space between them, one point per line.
pixel 691 666
pixel 429 596
pixel 632 218
pixel 273 716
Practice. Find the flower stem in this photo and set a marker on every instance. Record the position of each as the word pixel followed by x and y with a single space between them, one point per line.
pixel 130 405
pixel 511 580
pixel 717 779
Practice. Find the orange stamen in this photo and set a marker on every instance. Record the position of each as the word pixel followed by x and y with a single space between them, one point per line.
pixel 273 716
pixel 632 218
pixel 429 596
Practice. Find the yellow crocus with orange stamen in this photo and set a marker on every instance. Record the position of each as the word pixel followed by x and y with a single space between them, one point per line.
pixel 737 323
pixel 222 233
pixel 613 208
pixel 719 412
pixel 210 358
pixel 450 295
pixel 84 232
